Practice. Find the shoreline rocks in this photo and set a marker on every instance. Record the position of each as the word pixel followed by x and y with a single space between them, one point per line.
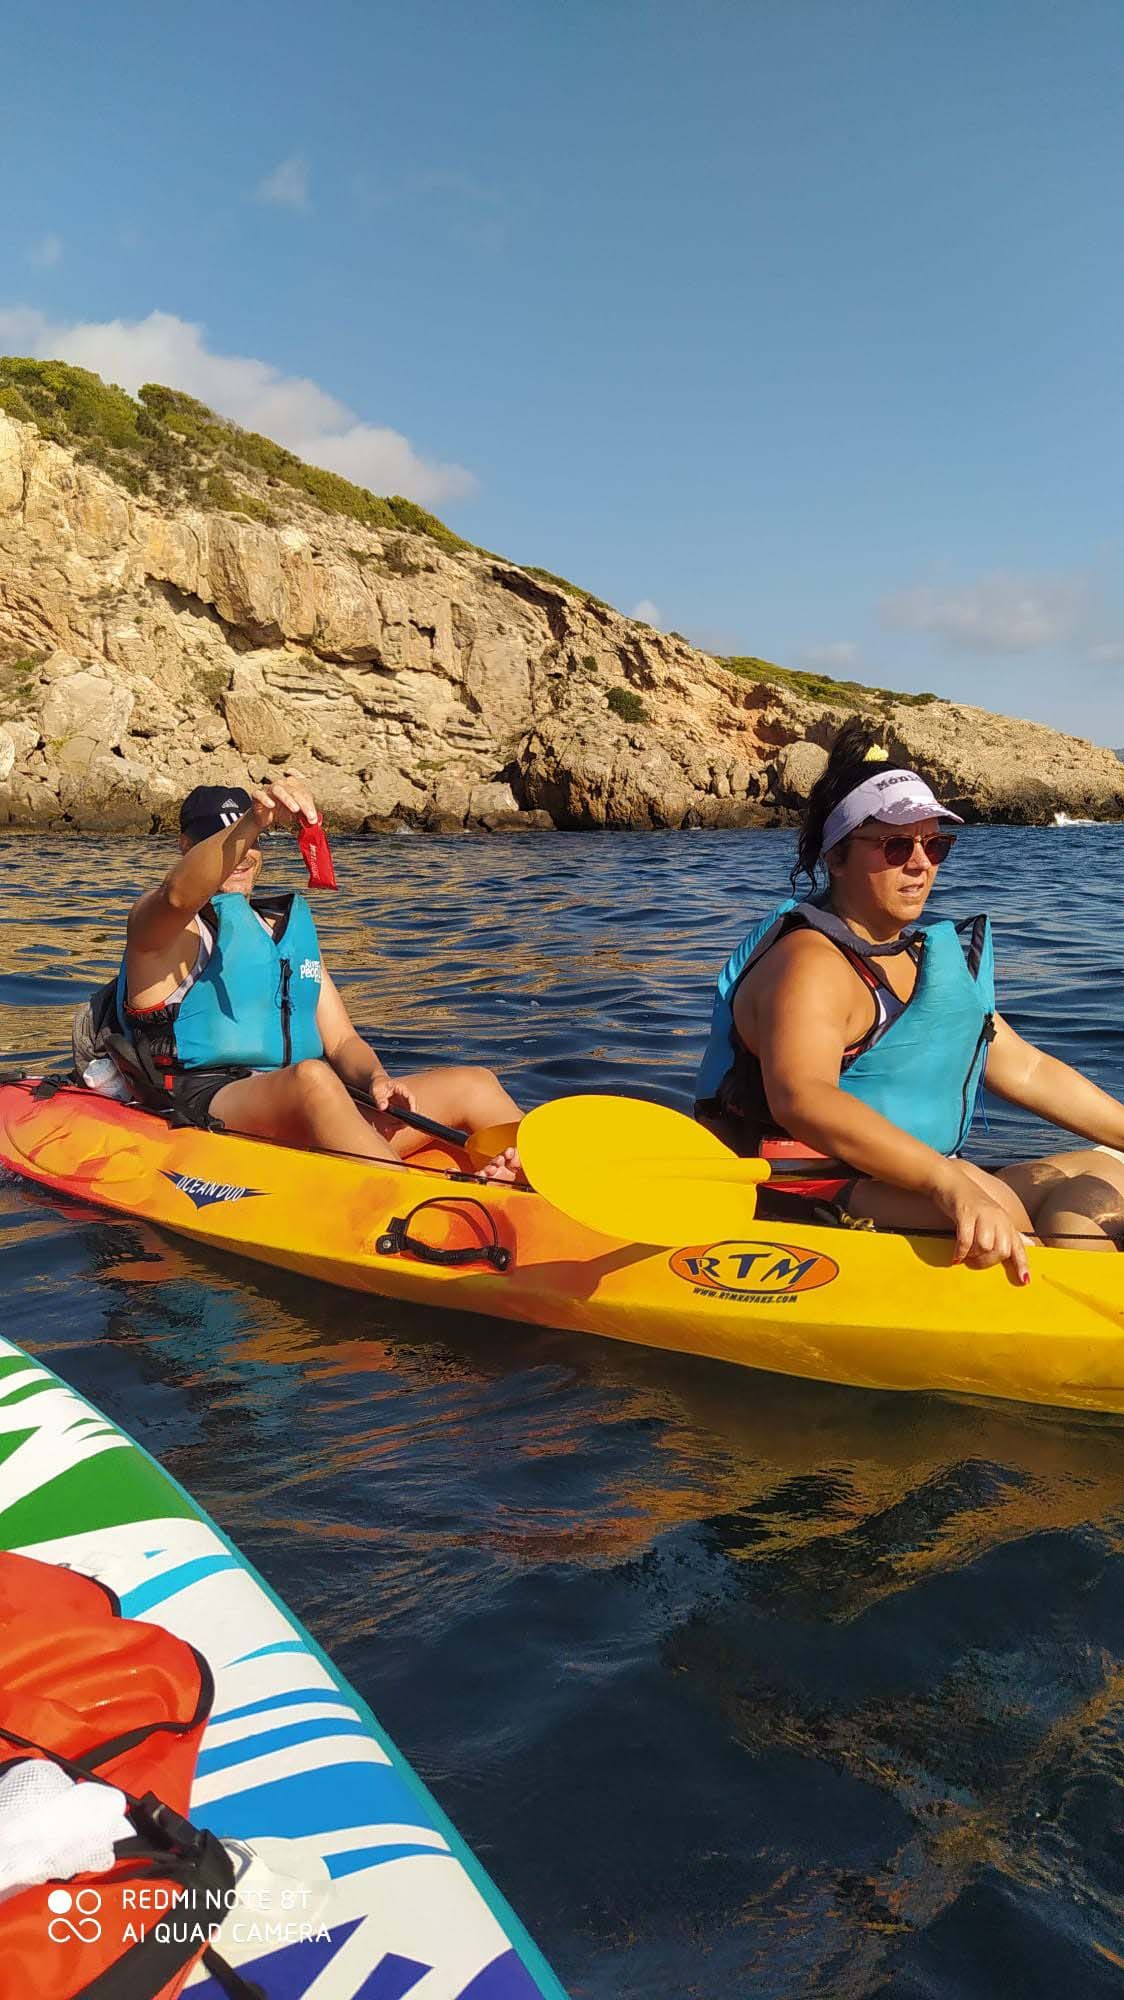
pixel 141 649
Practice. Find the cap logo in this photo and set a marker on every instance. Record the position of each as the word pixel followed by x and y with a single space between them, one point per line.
pixel 869 800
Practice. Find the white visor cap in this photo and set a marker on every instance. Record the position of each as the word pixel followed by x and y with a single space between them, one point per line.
pixel 897 798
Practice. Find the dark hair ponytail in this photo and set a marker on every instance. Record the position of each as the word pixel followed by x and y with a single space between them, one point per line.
pixel 848 764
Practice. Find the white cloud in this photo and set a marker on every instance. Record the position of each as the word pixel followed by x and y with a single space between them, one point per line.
pixel 829 658
pixel 1000 612
pixel 649 612
pixel 287 185
pixel 46 252
pixel 290 408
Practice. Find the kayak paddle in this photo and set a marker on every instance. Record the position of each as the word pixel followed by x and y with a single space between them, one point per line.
pixel 637 1171
pixel 480 1146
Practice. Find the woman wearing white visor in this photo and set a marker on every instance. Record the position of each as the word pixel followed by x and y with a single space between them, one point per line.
pixel 841 1031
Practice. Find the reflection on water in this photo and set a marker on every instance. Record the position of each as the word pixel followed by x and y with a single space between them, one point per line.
pixel 739 1686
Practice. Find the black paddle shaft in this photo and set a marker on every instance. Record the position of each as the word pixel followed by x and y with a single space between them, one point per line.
pixel 449 1133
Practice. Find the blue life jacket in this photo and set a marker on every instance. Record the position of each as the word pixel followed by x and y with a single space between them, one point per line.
pixel 252 1006
pixel 924 1071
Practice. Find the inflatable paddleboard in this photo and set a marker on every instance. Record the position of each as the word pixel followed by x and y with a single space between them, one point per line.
pixel 352 1883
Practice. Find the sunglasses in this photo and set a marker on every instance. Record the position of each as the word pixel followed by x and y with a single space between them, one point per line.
pixel 898 847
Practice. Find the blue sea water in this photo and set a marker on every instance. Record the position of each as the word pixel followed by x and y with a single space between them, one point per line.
pixel 738 1686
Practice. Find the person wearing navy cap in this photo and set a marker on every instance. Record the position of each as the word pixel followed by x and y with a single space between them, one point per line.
pixel 226 995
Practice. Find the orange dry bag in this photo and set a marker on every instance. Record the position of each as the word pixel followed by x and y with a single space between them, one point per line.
pixel 116 1702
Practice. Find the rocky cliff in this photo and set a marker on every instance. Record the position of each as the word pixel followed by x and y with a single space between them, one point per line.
pixel 153 637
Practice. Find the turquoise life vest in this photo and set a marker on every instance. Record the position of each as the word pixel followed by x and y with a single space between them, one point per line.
pixel 253 1005
pixel 924 1071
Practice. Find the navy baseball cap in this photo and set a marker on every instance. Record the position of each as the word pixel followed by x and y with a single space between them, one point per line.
pixel 210 808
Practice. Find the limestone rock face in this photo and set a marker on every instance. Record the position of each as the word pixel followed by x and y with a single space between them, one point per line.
pixel 594 777
pixel 143 651
pixel 11 466
pixel 83 713
pixel 258 726
pixel 798 768
pixel 989 767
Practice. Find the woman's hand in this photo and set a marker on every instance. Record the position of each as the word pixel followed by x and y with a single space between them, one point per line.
pixel 985 1233
pixel 388 1096
pixel 288 801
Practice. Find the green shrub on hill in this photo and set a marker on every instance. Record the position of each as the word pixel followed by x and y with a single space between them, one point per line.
pixel 820 687
pixel 218 492
pixel 559 582
pixel 627 704
pixel 71 406
pixel 16 404
pixel 168 444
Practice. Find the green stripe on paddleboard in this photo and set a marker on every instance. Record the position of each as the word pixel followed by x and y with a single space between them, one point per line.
pixel 108 1490
pixel 10 1397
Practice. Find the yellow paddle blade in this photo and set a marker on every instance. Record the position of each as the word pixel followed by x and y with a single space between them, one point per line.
pixel 636 1171
pixel 483 1146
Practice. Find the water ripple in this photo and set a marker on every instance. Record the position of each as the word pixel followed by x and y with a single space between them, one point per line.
pixel 739 1686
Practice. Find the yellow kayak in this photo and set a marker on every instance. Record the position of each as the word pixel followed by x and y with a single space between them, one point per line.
pixel 837 1305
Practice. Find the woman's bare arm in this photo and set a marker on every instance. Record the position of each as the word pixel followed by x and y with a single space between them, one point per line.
pixel 1021 1074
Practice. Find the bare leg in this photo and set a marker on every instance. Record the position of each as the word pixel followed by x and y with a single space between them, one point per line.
pixel 898 1208
pixel 1076 1199
pixel 305 1105
pixel 463 1095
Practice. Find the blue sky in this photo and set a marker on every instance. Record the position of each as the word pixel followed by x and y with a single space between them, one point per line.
pixel 797 322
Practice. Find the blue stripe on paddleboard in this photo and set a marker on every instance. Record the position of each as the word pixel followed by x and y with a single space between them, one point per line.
pixel 330 1800
pixel 135 1602
pixel 289 1699
pixel 392 1978
pixel 278 1646
pixel 266 1740
pixel 339 1865
pixel 507 1978
pixel 290 1971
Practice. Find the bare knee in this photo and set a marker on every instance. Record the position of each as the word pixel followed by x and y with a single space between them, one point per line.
pixel 312 1083
pixel 474 1085
pixel 1008 1200
pixel 1083 1198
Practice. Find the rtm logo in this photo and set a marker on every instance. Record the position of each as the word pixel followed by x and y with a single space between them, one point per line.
pixel 76 1916
pixel 772 1270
